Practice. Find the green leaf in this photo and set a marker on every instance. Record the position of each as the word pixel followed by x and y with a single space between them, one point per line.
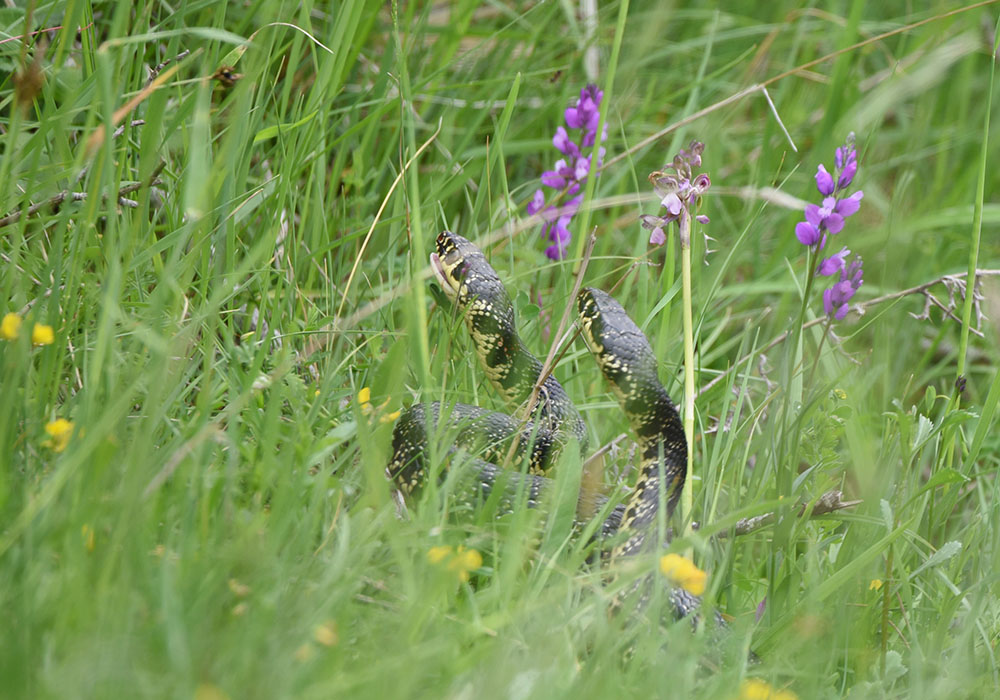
pixel 210 33
pixel 344 431
pixel 387 382
pixel 255 199
pixel 925 428
pixel 272 131
pixel 986 418
pixel 894 667
pixel 886 513
pixel 941 477
pixel 234 56
pixel 947 551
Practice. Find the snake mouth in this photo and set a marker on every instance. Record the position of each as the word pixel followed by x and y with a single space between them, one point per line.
pixel 447 284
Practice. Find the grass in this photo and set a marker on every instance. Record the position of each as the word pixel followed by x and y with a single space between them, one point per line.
pixel 219 523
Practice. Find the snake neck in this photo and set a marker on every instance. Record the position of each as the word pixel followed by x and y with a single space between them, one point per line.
pixel 663 449
pixel 512 369
pixel 660 434
pixel 630 366
pixel 468 278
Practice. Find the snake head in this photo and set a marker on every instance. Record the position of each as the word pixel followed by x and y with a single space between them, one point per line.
pixel 449 262
pixel 464 272
pixel 469 279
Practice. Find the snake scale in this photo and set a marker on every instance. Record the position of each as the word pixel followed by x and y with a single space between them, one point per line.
pixel 628 363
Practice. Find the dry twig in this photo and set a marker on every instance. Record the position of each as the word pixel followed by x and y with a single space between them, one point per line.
pixel 829 502
pixel 951 282
pixel 65 195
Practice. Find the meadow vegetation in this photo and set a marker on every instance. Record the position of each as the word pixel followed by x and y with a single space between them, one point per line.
pixel 215 221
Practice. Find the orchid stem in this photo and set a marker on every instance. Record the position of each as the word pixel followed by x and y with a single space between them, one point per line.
pixel 687 498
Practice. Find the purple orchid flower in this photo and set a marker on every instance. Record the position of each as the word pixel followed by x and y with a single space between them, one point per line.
pixel 678 189
pixel 569 173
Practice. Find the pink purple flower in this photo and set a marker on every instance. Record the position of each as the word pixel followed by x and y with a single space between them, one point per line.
pixel 835 263
pixel 824 181
pixel 678 189
pixel 569 173
pixel 828 217
pixel 846 158
pixel 836 298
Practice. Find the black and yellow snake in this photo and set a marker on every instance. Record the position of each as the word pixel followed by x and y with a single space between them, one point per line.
pixel 627 361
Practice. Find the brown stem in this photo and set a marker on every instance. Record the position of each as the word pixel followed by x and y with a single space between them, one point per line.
pixel 58 199
pixel 829 502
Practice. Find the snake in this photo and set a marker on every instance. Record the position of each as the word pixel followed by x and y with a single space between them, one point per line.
pixel 537 433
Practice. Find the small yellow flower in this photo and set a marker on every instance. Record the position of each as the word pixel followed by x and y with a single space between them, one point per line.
pixel 59 431
pixel 326 634
pixel 389 417
pixel 364 400
pixel 10 326
pixel 42 335
pixel 435 555
pixel 840 394
pixel 875 585
pixel 682 571
pixel 460 561
pixel 88 537
pixel 466 561
pixel 756 689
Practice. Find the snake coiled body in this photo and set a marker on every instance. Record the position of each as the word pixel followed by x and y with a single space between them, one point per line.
pixel 628 363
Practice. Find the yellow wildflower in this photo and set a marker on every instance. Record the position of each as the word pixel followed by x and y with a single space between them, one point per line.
pixel 682 571
pixel 42 335
pixel 60 431
pixel 10 326
pixel 389 417
pixel 435 555
pixel 460 561
pixel 756 689
pixel 364 399
pixel 88 537
pixel 875 585
pixel 840 394
pixel 466 560
pixel 326 634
